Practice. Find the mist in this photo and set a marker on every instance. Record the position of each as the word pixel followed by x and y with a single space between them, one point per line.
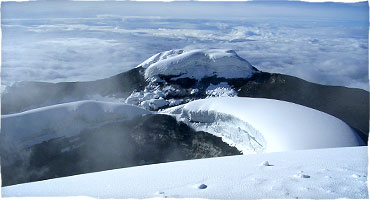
pixel 148 139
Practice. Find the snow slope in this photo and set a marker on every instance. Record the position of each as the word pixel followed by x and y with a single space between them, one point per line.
pixel 37 125
pixel 265 125
pixel 313 174
pixel 197 64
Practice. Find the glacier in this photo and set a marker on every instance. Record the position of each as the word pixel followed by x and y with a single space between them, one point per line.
pixel 197 64
pixel 255 125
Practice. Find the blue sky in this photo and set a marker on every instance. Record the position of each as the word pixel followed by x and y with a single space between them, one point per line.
pixel 325 43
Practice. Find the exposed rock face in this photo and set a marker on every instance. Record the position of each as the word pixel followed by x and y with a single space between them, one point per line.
pixel 146 140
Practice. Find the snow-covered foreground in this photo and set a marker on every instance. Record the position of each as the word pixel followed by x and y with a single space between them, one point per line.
pixel 41 124
pixel 265 125
pixel 315 174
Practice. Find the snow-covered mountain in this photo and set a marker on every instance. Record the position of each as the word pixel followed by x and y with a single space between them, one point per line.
pixel 305 174
pixel 180 105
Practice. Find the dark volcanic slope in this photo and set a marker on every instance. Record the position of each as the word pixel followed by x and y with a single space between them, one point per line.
pixel 348 104
pixel 26 95
pixel 147 140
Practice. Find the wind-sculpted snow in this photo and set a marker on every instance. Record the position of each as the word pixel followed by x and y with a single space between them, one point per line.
pixel 305 174
pixel 197 64
pixel 68 119
pixel 158 95
pixel 264 125
pixel 221 90
pixel 155 97
pixel 235 132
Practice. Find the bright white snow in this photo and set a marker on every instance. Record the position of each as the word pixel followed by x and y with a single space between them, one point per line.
pixel 197 64
pixel 41 124
pixel 264 125
pixel 153 97
pixel 313 174
pixel 223 89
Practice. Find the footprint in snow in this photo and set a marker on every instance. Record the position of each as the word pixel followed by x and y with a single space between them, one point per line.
pixel 202 186
pixel 356 176
pixel 161 194
pixel 300 175
pixel 266 163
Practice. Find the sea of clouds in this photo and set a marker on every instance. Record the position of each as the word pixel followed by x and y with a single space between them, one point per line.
pixel 325 43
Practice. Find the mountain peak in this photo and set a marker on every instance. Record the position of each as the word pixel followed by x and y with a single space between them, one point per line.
pixel 197 64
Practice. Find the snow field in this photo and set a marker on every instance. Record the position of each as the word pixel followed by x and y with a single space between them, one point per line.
pixel 312 174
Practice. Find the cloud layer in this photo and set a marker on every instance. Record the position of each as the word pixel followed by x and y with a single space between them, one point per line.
pixel 317 48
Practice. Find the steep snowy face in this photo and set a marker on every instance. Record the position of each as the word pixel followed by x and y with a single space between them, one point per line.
pixel 68 119
pixel 197 64
pixel 263 125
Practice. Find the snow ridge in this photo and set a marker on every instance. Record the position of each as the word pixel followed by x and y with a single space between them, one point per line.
pixel 42 124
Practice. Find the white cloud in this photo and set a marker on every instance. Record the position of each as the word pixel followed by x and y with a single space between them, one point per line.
pixel 321 50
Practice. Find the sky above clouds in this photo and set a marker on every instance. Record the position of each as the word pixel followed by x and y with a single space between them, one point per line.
pixel 325 43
